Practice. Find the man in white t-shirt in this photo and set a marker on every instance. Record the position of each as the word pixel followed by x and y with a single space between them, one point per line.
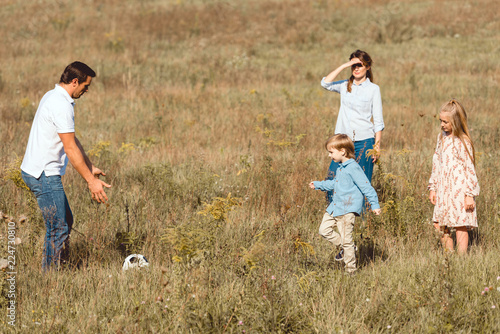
pixel 52 142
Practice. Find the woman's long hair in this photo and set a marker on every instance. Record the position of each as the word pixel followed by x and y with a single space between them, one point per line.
pixel 459 127
pixel 367 62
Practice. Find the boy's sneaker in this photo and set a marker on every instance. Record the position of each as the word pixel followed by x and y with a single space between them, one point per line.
pixel 340 255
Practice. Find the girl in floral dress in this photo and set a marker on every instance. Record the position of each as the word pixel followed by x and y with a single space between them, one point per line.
pixel 453 184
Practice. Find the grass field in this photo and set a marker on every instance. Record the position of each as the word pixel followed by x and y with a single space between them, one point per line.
pixel 209 120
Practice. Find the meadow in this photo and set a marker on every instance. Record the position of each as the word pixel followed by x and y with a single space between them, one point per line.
pixel 209 119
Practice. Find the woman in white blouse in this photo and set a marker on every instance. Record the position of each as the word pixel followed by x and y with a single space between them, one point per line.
pixel 360 115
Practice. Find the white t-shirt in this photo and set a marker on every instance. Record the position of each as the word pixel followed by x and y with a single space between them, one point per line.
pixel 45 150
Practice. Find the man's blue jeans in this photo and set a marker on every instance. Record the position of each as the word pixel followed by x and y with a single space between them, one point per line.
pixel 362 158
pixel 49 193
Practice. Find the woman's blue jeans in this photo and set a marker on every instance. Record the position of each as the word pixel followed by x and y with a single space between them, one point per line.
pixel 49 193
pixel 362 158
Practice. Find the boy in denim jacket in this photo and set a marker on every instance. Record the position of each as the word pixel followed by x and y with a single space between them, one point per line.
pixel 349 188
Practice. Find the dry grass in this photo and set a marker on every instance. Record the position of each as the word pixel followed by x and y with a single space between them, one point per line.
pixel 195 100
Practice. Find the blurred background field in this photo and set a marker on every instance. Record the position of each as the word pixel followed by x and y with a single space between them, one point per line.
pixel 209 120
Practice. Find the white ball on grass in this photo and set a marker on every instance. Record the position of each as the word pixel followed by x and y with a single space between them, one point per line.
pixel 135 261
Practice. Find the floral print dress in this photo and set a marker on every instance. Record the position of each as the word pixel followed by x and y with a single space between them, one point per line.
pixel 453 177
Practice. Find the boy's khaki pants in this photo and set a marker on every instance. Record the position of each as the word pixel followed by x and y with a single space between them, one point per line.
pixel 345 225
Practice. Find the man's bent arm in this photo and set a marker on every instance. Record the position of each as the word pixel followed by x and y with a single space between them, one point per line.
pixel 83 166
pixel 93 169
pixel 82 151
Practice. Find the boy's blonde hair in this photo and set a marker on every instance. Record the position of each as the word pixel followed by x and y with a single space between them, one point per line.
pixel 341 141
pixel 459 126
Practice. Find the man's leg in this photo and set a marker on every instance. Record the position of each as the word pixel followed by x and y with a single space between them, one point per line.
pixel 57 215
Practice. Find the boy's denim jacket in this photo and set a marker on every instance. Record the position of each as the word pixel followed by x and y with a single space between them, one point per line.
pixel 348 186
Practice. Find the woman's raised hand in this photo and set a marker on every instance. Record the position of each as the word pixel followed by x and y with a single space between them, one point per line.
pixel 354 61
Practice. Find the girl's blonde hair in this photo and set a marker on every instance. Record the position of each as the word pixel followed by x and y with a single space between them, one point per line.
pixel 458 121
pixel 367 62
pixel 341 141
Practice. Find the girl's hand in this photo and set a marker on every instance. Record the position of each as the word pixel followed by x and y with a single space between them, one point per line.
pixel 311 185
pixel 432 197
pixel 470 204
pixel 377 211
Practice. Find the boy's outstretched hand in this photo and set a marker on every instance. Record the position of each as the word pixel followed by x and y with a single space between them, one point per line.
pixel 311 185
pixel 377 211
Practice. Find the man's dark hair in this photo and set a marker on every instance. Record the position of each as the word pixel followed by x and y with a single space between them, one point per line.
pixel 77 70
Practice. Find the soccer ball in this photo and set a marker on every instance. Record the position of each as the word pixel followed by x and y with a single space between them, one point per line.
pixel 135 261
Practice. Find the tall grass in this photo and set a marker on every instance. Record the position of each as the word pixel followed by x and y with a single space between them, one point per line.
pixel 209 120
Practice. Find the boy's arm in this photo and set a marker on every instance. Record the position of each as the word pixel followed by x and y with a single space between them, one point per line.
pixel 362 182
pixel 326 185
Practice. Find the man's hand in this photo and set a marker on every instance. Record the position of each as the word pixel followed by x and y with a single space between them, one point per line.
pixel 377 211
pixel 432 197
pixel 97 172
pixel 97 190
pixel 84 167
pixel 311 185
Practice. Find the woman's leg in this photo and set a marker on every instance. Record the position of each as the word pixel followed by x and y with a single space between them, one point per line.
pixel 364 160
pixel 363 157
